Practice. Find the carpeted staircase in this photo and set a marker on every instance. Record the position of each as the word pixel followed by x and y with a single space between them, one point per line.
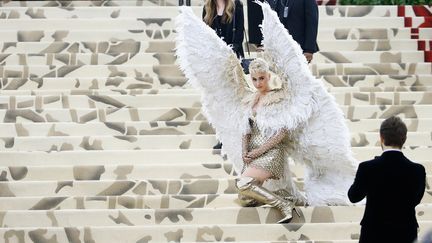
pixel 102 140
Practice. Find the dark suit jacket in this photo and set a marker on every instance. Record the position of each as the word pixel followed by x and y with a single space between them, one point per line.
pixel 255 17
pixel 302 21
pixel 234 37
pixel 393 186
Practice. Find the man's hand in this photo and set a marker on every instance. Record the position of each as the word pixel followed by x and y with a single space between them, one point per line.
pixel 308 56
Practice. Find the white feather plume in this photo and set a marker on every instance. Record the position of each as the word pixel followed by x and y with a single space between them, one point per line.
pixel 312 114
pixel 213 68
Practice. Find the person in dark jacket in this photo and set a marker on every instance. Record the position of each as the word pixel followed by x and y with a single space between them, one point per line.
pixel 393 187
pixel 227 19
pixel 255 17
pixel 300 18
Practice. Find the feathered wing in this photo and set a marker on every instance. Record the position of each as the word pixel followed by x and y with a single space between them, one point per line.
pixel 212 67
pixel 307 108
pixel 286 59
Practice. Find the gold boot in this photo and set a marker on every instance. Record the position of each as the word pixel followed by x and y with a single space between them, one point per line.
pixel 297 198
pixel 250 187
pixel 248 201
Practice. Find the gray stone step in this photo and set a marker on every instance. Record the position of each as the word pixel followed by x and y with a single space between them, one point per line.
pixel 315 232
pixel 71 35
pixel 82 143
pixel 170 58
pixel 128 9
pixel 162 156
pixel 165 73
pixel 122 84
pixel 136 171
pixel 222 216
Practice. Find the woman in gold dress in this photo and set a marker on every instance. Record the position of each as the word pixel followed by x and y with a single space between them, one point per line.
pixel 263 158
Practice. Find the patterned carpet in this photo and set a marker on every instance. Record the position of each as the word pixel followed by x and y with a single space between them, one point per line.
pixel 102 140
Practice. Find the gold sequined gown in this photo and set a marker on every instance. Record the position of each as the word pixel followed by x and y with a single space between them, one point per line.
pixel 271 161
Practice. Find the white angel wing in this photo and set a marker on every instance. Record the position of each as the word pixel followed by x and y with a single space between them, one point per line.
pixel 324 140
pixel 286 59
pixel 212 67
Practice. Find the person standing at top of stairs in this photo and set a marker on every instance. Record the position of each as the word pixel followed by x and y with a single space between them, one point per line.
pixel 300 18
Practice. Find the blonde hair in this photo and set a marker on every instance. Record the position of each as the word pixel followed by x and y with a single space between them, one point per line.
pixel 211 11
pixel 259 65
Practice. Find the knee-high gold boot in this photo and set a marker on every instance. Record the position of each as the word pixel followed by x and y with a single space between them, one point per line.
pixel 250 187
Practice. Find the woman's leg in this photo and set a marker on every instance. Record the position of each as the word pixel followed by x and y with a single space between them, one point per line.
pixel 256 173
pixel 261 176
pixel 249 185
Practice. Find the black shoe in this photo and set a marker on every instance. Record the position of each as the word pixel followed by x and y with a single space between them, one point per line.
pixel 218 146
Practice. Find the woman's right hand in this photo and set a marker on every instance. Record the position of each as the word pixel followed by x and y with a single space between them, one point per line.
pixel 246 159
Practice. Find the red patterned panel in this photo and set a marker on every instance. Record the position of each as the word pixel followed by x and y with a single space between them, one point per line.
pixel 427 23
pixel 420 10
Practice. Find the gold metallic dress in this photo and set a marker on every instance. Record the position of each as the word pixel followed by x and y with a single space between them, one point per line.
pixel 272 160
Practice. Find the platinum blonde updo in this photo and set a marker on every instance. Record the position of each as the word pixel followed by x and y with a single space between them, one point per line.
pixel 259 65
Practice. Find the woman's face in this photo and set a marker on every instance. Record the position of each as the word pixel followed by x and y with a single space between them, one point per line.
pixel 261 81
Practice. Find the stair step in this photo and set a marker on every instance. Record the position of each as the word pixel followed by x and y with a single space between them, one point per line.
pixel 130 187
pixel 118 187
pixel 93 3
pixel 77 143
pixel 25 129
pixel 120 202
pixel 169 58
pixel 164 72
pixel 188 90
pixel 115 172
pixel 162 156
pixel 209 201
pixel 139 11
pixel 368 82
pixel 167 23
pixel 184 117
pixel 378 80
pixel 74 35
pixel 161 46
pixel 189 99
pixel 160 233
pixel 135 171
pixel 137 217
pixel 316 232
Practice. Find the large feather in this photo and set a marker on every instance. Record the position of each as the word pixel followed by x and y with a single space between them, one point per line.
pixel 311 113
pixel 286 59
pixel 212 67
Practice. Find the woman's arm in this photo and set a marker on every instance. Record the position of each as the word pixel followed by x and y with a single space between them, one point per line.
pixel 245 143
pixel 269 144
pixel 245 146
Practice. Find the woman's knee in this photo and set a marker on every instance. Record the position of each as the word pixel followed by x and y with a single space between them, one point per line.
pixel 257 174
